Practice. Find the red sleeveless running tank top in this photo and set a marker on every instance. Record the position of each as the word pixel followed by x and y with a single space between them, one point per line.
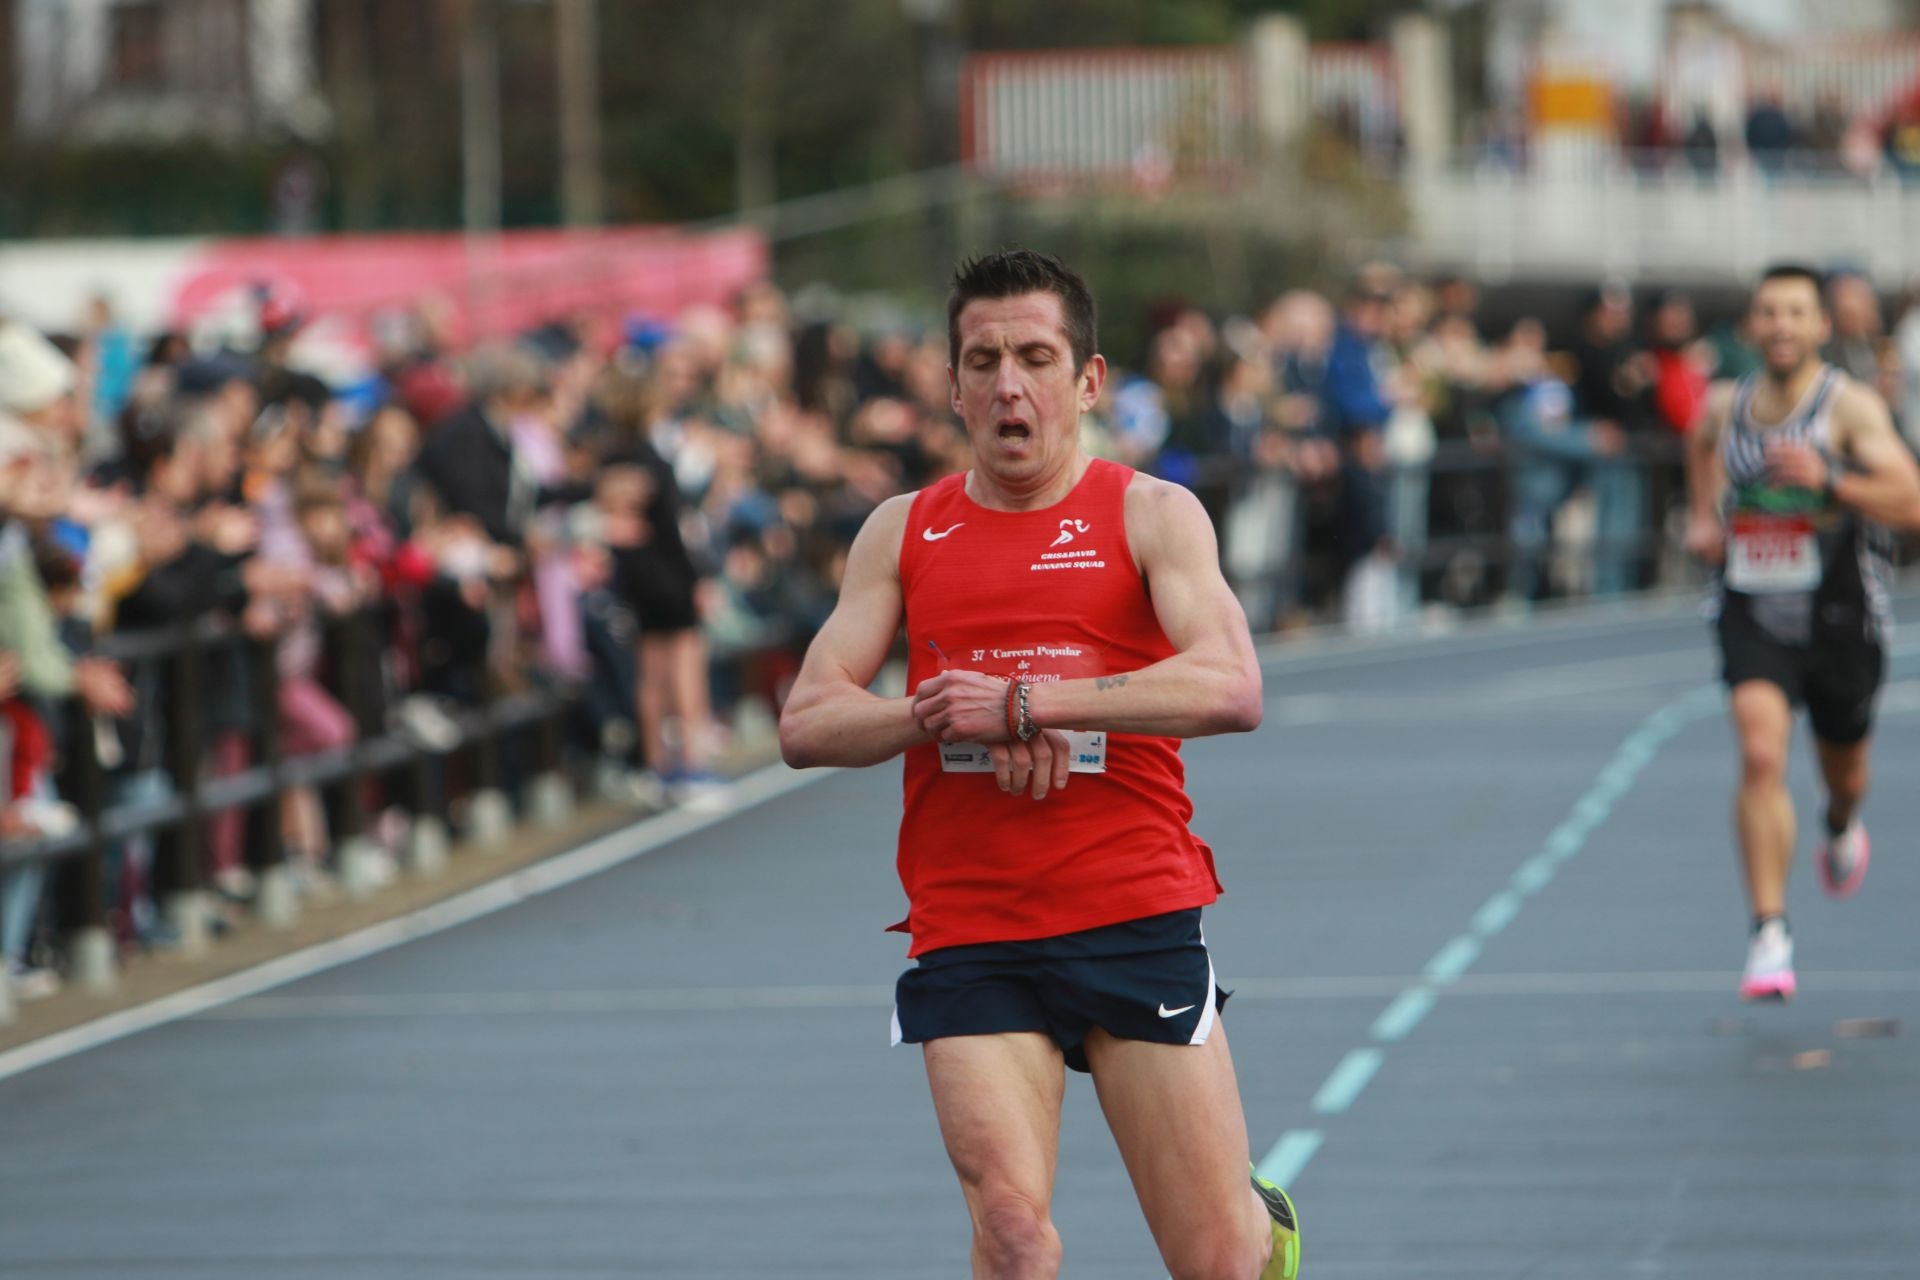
pixel 1038 595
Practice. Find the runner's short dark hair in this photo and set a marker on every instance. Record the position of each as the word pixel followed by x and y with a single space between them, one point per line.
pixel 1012 272
pixel 1796 271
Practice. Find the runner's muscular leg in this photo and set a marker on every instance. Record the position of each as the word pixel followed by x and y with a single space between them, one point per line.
pixel 1763 809
pixel 998 1100
pixel 1175 1112
pixel 1844 769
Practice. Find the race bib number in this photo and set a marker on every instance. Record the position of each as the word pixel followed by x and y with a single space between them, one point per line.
pixel 1089 754
pixel 1773 554
pixel 1033 662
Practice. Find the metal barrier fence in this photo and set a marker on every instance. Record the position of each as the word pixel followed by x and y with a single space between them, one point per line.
pixel 1489 507
pixel 185 659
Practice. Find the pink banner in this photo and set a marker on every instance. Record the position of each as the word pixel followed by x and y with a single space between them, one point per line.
pixel 498 286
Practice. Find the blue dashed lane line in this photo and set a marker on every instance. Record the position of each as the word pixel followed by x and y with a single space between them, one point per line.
pixel 1347 1080
pixel 1452 960
pixel 1404 1014
pixel 1499 912
pixel 1343 1086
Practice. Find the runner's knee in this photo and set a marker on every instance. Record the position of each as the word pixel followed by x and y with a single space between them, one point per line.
pixel 1015 1235
pixel 1762 760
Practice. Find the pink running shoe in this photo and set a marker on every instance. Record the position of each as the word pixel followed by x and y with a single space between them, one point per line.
pixel 1769 973
pixel 1842 860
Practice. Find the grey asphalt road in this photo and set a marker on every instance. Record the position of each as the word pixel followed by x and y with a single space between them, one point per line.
pixel 1484 924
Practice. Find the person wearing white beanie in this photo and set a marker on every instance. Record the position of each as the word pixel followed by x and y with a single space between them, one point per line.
pixel 37 382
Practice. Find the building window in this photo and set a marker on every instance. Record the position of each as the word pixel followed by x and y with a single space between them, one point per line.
pixel 136 57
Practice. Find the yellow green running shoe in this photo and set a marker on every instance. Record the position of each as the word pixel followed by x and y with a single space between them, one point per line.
pixel 1285 1263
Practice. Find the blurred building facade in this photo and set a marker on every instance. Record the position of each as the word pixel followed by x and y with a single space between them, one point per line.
pixel 99 70
pixel 1525 138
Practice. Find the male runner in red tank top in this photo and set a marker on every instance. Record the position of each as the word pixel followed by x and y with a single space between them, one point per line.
pixel 1067 623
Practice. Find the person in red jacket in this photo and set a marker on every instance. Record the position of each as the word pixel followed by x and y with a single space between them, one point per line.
pixel 1680 362
pixel 1067 624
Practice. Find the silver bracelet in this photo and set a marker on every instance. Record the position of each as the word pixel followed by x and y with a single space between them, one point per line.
pixel 1027 727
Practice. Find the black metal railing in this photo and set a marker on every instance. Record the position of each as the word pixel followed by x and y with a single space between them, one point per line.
pixel 179 662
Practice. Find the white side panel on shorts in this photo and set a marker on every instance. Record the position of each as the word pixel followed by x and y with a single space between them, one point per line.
pixel 1208 1007
pixel 896 1027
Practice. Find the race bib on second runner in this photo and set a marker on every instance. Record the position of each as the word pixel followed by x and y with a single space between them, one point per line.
pixel 1772 554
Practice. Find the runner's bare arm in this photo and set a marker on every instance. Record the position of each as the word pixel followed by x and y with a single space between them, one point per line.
pixel 1883 484
pixel 1212 684
pixel 831 718
pixel 1707 477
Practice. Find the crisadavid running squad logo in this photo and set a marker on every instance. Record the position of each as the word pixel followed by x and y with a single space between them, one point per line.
pixel 1067 529
pixel 1085 558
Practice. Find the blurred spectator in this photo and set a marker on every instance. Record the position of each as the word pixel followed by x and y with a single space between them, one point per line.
pixel 1610 385
pixel 38 430
pixel 1554 449
pixel 1733 352
pixel 1826 132
pixel 1464 499
pixel 1163 416
pixel 1356 405
pixel 1857 330
pixel 1501 139
pixel 1702 145
pixel 1456 302
pixel 881 370
pixel 1769 133
pixel 112 363
pixel 384 452
pixel 654 573
pixel 1283 460
pixel 410 347
pixel 1418 383
pixel 471 460
pixel 1681 366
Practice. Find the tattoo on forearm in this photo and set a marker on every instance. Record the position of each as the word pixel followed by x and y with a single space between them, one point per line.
pixel 1103 683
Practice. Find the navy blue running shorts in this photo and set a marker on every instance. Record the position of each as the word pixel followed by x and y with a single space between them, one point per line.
pixel 1147 979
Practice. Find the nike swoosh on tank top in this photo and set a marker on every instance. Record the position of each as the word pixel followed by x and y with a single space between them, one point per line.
pixel 1038 596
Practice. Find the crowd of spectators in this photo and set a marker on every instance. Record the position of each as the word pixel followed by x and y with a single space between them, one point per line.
pixel 1822 138
pixel 658 517
pixel 1416 454
pixel 642 519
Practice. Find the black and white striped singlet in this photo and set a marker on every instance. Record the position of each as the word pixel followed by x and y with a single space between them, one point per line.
pixel 1854 553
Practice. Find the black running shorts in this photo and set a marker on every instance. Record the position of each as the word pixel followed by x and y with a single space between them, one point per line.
pixel 1148 979
pixel 1836 676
